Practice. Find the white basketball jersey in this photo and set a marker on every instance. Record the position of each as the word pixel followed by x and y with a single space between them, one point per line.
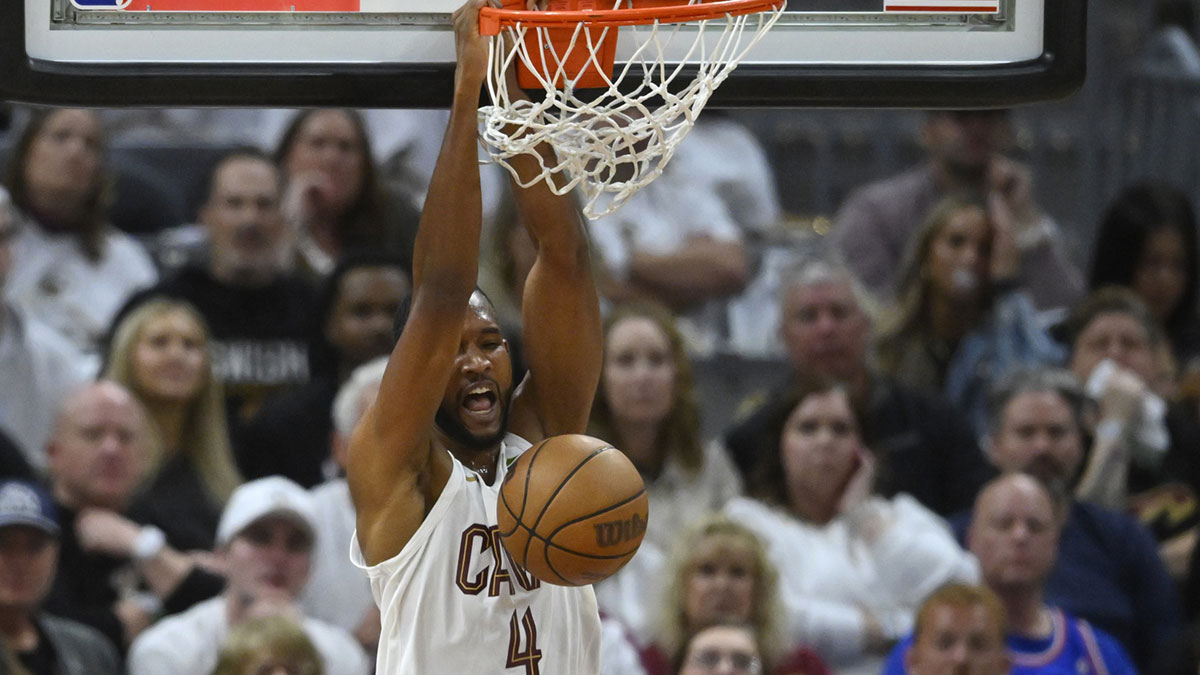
pixel 452 601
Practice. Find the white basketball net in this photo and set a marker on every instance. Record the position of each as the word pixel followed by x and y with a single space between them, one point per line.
pixel 614 143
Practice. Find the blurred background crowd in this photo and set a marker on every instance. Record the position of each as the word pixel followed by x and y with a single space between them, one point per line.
pixel 909 390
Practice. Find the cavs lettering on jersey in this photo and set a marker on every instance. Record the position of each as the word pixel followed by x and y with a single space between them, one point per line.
pixel 453 602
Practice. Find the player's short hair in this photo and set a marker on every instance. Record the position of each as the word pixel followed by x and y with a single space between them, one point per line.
pixel 965 596
pixel 405 309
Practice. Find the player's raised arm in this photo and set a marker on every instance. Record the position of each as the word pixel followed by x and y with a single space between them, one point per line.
pixel 560 312
pixel 392 472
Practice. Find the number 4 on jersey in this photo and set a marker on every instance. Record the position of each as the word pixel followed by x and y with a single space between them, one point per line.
pixel 529 656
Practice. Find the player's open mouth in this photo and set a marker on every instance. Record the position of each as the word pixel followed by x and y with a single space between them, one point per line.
pixel 480 400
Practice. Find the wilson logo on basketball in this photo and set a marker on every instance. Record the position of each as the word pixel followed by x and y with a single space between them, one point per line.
pixel 617 531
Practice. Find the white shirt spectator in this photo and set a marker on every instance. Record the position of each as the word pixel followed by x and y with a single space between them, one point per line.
pixel 829 575
pixel 618 653
pixel 718 186
pixel 628 596
pixel 337 592
pixel 38 368
pixel 54 282
pixel 678 496
pixel 189 644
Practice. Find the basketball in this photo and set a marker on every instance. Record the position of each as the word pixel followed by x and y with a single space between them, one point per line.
pixel 572 510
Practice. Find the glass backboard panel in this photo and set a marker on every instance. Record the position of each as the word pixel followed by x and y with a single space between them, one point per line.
pixel 400 52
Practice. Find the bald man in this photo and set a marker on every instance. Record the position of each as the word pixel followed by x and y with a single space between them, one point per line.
pixel 1014 534
pixel 114 574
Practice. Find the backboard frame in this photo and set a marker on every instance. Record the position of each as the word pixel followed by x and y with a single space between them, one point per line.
pixel 1057 72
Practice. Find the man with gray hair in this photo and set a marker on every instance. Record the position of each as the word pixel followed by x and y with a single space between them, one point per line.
pixel 337 592
pixel 1108 569
pixel 923 447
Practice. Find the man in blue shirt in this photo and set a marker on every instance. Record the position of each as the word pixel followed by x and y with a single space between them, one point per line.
pixel 1015 536
pixel 1108 570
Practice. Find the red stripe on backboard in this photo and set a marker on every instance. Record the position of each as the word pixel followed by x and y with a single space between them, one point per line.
pixel 992 9
pixel 244 6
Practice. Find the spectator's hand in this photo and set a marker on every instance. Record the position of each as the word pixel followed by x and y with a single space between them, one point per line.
pixel 1012 183
pixel 369 628
pixel 133 617
pixel 105 531
pixel 1006 255
pixel 307 199
pixel 861 483
pixel 272 602
pixel 208 561
pixel 1121 398
pixel 875 640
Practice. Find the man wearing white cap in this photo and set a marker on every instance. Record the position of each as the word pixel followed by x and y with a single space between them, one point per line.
pixel 265 538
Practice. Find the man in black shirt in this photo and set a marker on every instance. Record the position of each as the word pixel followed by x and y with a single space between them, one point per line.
pixel 260 315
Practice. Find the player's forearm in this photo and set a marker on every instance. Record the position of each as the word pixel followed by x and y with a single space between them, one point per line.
pixel 446 251
pixel 552 221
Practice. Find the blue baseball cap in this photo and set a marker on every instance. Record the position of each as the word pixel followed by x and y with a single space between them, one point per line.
pixel 23 503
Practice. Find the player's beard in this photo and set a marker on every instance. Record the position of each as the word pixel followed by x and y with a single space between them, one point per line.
pixel 450 425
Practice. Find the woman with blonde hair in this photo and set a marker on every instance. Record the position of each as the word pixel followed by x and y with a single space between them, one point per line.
pixel 273 645
pixel 161 352
pixel 718 571
pixel 960 318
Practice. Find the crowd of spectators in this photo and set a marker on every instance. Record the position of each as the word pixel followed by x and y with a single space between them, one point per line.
pixel 973 452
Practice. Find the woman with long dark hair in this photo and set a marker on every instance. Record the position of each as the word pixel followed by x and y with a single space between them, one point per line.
pixel 853 566
pixel 335 197
pixel 1147 243
pixel 71 268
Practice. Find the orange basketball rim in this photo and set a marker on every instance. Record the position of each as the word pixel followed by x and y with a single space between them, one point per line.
pixel 555 27
pixel 613 124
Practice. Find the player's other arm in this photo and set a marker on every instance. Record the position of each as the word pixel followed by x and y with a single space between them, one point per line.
pixel 560 314
pixel 394 476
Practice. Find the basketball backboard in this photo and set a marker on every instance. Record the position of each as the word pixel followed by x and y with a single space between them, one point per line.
pixel 385 53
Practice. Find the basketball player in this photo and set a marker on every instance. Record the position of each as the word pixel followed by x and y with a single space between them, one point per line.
pixel 427 460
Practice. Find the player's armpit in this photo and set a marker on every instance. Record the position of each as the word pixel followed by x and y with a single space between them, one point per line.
pixel 391 498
